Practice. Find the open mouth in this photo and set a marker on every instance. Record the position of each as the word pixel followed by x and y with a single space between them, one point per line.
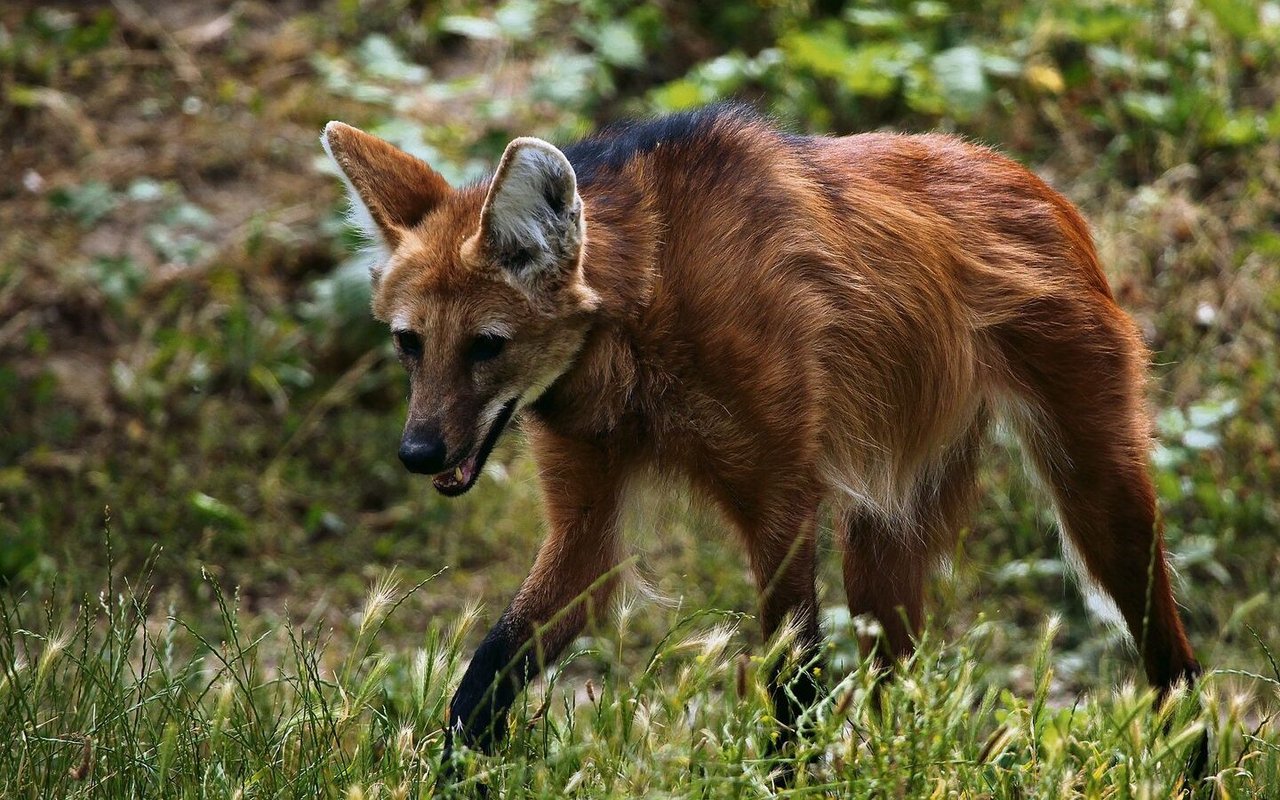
pixel 458 480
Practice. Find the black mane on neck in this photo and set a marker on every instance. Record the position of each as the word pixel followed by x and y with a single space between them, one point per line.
pixel 614 145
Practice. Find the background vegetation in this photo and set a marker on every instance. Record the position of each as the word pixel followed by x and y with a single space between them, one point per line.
pixel 198 420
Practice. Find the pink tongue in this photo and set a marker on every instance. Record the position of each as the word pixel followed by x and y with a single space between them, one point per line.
pixel 450 479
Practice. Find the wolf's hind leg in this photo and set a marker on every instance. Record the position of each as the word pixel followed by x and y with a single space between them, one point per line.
pixel 887 560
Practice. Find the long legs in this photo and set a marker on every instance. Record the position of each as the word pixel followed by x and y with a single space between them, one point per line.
pixel 783 563
pixel 570 578
pixel 1078 410
pixel 779 530
pixel 887 561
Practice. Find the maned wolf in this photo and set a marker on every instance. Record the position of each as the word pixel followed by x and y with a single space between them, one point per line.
pixel 785 321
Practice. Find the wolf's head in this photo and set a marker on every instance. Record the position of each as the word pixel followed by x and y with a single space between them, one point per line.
pixel 482 287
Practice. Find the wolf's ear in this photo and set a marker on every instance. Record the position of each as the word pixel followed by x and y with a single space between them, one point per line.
pixel 532 224
pixel 389 189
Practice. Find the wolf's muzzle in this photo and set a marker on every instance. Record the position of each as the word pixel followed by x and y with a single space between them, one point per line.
pixel 422 451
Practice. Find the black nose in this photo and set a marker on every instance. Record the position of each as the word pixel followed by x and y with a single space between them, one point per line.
pixel 422 451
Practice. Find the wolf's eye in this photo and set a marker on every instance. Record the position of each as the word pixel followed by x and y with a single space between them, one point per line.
pixel 485 347
pixel 408 343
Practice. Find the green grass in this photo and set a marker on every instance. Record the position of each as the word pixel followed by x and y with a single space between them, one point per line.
pixel 113 695
pixel 185 338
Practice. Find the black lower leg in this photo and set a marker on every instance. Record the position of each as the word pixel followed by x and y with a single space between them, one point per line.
pixel 794 687
pixel 501 667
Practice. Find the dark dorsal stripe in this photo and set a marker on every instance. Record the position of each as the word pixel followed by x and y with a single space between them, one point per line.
pixel 614 145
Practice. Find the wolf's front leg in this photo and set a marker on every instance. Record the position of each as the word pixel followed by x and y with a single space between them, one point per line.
pixel 571 579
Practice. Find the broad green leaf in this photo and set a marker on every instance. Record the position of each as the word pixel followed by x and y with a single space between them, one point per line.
pixel 1148 106
pixel 1237 17
pixel 1237 130
pixel 1107 25
pixel 381 58
pixel 679 95
pixel 1197 439
pixel 824 52
pixel 1203 415
pixel 873 70
pixel 213 511
pixel 960 77
pixel 471 27
pixel 931 10
pixel 517 19
pixel 876 19
pixel 618 44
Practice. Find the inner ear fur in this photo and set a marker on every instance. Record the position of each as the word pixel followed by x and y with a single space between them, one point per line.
pixel 533 186
pixel 396 189
pixel 531 225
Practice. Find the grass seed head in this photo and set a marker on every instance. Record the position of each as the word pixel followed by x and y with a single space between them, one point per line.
pixel 382 595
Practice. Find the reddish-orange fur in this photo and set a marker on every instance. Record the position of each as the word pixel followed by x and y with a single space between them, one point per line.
pixel 793 321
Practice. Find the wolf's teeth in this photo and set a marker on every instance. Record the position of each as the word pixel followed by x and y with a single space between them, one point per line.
pixel 457 474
